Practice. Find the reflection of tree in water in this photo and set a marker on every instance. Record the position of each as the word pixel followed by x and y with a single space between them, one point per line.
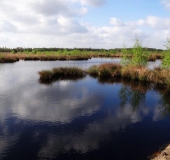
pixel 133 93
pixel 134 97
pixel 165 101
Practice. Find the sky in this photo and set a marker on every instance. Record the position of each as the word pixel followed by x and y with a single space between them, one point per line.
pixel 84 23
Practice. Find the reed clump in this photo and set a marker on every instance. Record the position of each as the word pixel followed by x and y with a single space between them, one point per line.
pixel 8 59
pixel 62 72
pixel 157 76
pixel 154 57
pixel 105 70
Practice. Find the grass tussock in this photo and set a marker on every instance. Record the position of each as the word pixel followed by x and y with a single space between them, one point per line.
pixel 7 59
pixel 109 73
pixel 105 70
pixel 157 76
pixel 61 73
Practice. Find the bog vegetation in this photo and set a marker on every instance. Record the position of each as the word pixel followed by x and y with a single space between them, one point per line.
pixel 132 67
pixel 61 73
pixel 12 55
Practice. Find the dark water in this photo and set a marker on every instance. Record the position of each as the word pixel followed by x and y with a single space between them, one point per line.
pixel 76 120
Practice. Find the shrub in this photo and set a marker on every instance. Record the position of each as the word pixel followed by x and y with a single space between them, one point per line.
pixel 166 59
pixel 93 71
pixel 139 54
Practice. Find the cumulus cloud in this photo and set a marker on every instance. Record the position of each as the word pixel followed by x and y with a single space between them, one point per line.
pixel 95 3
pixel 53 7
pixel 43 17
pixel 155 22
pixel 166 3
pixel 116 22
pixel 56 23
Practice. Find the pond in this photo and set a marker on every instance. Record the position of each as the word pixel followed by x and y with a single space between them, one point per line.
pixel 85 119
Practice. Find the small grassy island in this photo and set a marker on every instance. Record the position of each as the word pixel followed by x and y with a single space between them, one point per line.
pixel 156 76
pixel 62 73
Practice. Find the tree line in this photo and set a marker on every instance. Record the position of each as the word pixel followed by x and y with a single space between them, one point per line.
pixel 115 50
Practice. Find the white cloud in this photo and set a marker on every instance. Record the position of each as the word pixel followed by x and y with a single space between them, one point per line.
pixel 94 2
pixel 166 3
pixel 52 7
pixel 116 22
pixel 6 26
pixel 56 23
pixel 155 22
pixel 43 17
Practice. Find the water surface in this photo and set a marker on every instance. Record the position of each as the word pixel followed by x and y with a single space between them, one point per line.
pixel 84 119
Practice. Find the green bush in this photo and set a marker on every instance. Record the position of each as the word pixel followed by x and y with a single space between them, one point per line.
pixel 166 59
pixel 93 71
pixel 138 53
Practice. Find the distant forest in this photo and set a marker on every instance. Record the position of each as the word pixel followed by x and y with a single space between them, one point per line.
pixel 20 49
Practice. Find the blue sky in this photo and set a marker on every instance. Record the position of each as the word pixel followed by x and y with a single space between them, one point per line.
pixel 84 23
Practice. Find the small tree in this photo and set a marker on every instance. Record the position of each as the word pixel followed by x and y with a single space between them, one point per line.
pixel 166 59
pixel 139 54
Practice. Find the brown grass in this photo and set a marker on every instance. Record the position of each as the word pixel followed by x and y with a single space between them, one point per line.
pixel 105 70
pixel 156 76
pixel 48 76
pixel 154 57
pixel 9 57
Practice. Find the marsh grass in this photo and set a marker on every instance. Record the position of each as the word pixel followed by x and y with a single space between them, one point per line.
pixel 7 58
pixel 154 57
pixel 61 73
pixel 105 70
pixel 157 76
pixel 93 71
pixel 64 55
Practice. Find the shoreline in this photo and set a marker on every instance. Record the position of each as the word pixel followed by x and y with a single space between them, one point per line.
pixel 14 57
pixel 163 155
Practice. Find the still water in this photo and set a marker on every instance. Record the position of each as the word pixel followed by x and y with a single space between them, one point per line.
pixel 85 119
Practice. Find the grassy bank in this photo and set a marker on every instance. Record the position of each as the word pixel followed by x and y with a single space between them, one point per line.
pixel 67 55
pixel 5 58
